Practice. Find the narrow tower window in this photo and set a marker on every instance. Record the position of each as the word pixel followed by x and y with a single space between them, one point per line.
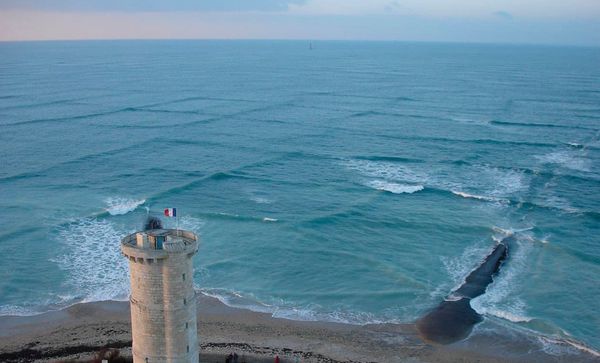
pixel 183 277
pixel 188 348
pixel 184 301
pixel 186 325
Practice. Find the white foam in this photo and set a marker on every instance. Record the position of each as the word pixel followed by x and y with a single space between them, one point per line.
pixel 355 318
pixel 502 233
pixel 295 314
pixel 261 200
pixel 545 239
pixel 35 307
pixel 500 299
pixel 560 203
pixel 313 312
pixel 469 121
pixel 458 268
pixel 119 205
pixel 95 268
pixel 504 182
pixel 558 346
pixel 548 198
pixel 473 196
pixel 570 159
pixel 186 222
pixel 533 239
pixel 237 300
pixel 505 232
pixel 472 181
pixel 225 214
pixel 483 182
pixel 507 315
pixel 267 219
pixel 285 310
pixel 395 187
pixel 387 171
pixel 453 297
pixel 13 310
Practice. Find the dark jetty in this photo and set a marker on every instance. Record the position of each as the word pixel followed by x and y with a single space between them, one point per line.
pixel 453 319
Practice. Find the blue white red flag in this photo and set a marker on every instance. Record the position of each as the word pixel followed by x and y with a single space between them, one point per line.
pixel 171 212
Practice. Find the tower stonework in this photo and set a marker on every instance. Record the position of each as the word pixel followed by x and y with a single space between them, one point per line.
pixel 163 300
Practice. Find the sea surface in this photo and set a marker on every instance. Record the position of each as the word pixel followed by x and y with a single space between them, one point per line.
pixel 355 181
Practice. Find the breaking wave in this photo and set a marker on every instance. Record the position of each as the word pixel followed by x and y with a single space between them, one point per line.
pixel 500 300
pixel 558 347
pixel 459 267
pixel 507 315
pixel 481 182
pixel 286 310
pixel 569 159
pixel 117 206
pixel 395 188
pixel 473 196
pixel 93 261
pixel 387 171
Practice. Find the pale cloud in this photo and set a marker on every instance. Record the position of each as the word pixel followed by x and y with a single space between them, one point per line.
pixel 397 7
pixel 503 15
pixel 148 5
pixel 24 25
pixel 532 21
pixel 38 25
pixel 347 7
pixel 536 9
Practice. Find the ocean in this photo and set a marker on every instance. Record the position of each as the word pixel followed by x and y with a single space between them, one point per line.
pixel 355 182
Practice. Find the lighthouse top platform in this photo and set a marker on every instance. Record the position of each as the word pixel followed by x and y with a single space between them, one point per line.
pixel 157 244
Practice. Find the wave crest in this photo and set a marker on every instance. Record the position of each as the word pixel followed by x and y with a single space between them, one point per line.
pixel 395 188
pixel 510 316
pixel 474 196
pixel 117 206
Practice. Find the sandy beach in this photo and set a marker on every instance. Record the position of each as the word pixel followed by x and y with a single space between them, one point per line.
pixel 80 331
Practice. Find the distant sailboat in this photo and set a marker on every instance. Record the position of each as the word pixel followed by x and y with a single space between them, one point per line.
pixel 310 46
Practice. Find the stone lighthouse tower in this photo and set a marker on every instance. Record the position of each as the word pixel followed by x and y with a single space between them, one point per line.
pixel 163 304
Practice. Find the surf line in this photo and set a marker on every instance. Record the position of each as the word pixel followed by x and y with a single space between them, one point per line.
pixel 453 319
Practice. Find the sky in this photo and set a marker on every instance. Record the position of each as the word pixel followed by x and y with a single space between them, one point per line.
pixel 572 22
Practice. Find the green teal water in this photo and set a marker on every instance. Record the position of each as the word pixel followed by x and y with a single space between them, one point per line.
pixel 356 182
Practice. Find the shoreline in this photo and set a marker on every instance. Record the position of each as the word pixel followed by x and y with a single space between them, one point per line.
pixel 79 331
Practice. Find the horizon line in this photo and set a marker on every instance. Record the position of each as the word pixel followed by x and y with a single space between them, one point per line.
pixel 465 42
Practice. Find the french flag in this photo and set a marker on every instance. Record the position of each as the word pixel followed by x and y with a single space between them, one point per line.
pixel 171 212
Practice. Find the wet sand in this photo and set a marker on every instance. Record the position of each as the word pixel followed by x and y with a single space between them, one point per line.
pixel 83 329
